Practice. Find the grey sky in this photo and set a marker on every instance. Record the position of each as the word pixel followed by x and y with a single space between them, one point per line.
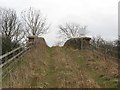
pixel 101 16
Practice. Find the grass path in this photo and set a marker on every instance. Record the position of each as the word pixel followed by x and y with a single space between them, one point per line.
pixel 51 79
pixel 44 67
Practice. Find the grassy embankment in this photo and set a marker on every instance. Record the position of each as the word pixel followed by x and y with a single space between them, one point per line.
pixel 63 68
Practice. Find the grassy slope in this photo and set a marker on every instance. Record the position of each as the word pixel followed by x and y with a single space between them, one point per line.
pixel 61 67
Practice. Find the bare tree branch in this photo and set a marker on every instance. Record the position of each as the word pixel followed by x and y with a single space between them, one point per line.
pixel 11 28
pixel 35 23
pixel 72 30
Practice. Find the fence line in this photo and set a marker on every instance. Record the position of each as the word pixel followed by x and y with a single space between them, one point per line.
pixel 10 56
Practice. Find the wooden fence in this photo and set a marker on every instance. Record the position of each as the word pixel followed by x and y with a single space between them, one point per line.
pixel 8 58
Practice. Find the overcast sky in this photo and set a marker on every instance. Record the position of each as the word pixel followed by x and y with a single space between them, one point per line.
pixel 101 16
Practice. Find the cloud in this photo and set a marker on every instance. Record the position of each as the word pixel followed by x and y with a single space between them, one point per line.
pixel 99 15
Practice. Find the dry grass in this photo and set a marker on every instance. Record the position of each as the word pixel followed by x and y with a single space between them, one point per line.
pixel 44 67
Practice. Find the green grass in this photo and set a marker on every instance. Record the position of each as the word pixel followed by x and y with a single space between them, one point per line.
pixel 51 73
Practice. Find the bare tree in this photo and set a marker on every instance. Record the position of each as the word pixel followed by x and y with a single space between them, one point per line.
pixel 10 29
pixel 98 41
pixel 35 23
pixel 72 30
pixel 107 47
